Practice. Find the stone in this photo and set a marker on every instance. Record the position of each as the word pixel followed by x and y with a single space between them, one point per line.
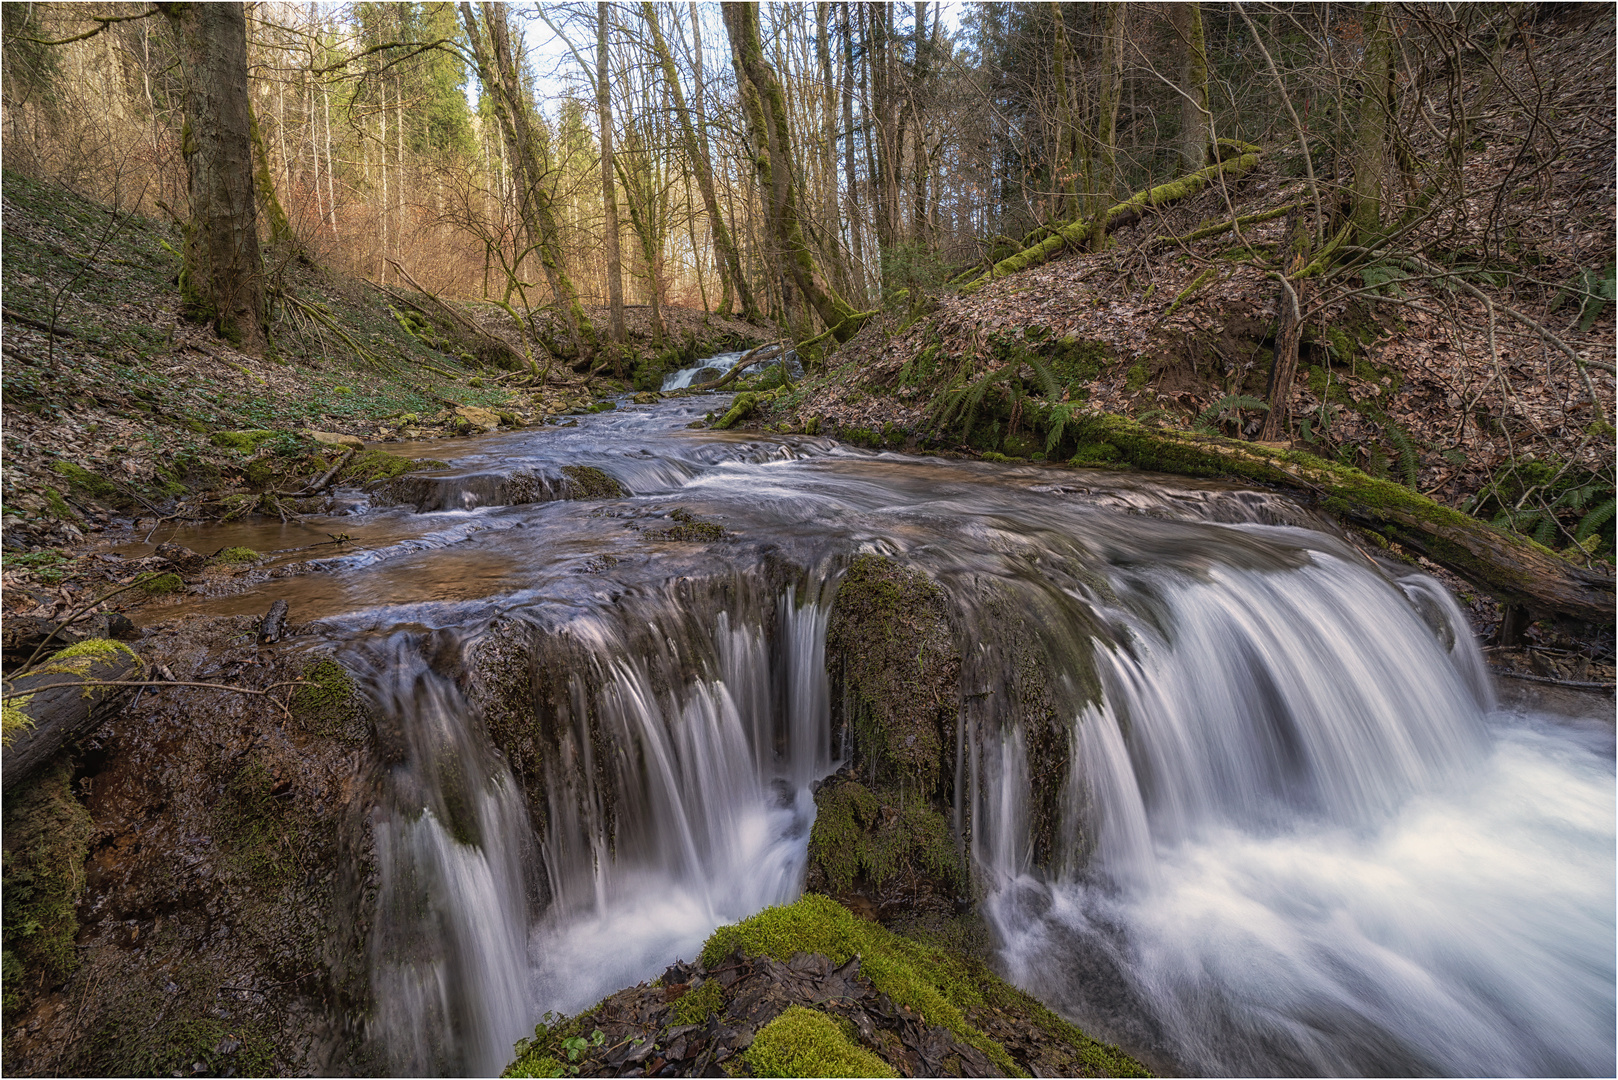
pixel 183 558
pixel 332 438
pixel 476 418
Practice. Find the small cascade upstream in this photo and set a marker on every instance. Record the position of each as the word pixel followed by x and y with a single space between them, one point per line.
pixel 1234 796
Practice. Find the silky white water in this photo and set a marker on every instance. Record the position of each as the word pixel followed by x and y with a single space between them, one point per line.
pixel 1279 829
pixel 1312 850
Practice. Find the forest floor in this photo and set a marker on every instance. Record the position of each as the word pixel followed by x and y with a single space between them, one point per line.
pixel 118 414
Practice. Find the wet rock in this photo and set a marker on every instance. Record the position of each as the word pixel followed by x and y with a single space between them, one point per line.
pixel 181 558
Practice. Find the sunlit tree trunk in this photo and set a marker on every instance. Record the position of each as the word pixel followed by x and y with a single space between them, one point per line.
pixel 1371 135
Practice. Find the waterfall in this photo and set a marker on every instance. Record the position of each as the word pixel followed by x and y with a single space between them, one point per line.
pixel 677 796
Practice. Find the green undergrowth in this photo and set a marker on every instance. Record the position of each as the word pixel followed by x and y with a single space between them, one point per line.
pixel 940 986
pixel 804 1042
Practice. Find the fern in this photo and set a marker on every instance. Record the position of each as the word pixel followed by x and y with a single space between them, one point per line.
pixel 1595 519
pixel 1047 378
pixel 1061 416
pixel 1408 461
pixel 1218 412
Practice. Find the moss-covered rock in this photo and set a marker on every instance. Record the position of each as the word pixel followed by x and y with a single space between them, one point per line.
pixel 942 987
pixel 741 407
pixel 236 556
pixel 160 584
pixel 86 481
pixel 380 465
pixel 328 702
pixel 891 635
pixel 858 840
pixel 46 839
pixel 589 482
pixel 803 1042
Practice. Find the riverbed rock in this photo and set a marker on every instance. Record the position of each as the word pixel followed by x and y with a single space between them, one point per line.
pixel 333 438
pixel 473 420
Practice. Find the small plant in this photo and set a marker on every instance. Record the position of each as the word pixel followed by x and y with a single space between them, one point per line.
pixel 1226 409
pixel 547 1055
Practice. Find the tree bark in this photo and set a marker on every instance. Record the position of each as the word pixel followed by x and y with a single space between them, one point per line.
pixel 764 107
pixel 609 186
pixel 1285 366
pixel 1196 132
pixel 497 70
pixel 222 282
pixel 61 708
pixel 730 266
pixel 1112 81
pixel 1371 134
pixel 1064 165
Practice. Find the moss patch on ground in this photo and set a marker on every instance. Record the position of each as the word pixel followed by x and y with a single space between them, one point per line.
pixel 803 1042
pixel 46 840
pixel 938 985
pixel 381 465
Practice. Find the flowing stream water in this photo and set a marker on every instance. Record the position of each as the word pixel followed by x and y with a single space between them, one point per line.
pixel 1292 832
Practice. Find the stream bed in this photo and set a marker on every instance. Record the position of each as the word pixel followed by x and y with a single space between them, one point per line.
pixel 1288 831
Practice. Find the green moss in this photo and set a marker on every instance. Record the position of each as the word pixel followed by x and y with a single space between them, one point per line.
pixel 170 1046
pixel 1094 454
pixel 257 827
pixel 160 584
pixel 589 482
pixel 1136 379
pixel 939 985
pixel 46 840
pixel 245 441
pixel 381 465
pixel 695 1006
pixel 741 408
pixel 891 627
pixel 85 480
pixel 693 532
pixel 238 555
pixel 59 507
pixel 854 835
pixel 327 700
pixel 804 1042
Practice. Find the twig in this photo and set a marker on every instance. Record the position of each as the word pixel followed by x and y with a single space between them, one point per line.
pixel 147 684
pixel 73 616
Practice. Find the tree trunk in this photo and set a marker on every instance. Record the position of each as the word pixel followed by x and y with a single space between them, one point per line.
pixel 609 189
pixel 1112 81
pixel 497 70
pixel 730 265
pixel 1196 131
pixel 1064 165
pixel 223 277
pixel 1285 368
pixel 764 107
pixel 1371 135
pixel 856 228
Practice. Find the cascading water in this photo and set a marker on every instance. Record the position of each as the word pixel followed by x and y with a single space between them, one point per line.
pixel 1307 849
pixel 1235 797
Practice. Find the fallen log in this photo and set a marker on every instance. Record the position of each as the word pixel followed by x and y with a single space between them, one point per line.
pixel 1513 569
pixel 751 357
pixel 52 704
pixel 1124 213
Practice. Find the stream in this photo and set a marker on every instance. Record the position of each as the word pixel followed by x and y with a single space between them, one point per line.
pixel 1295 835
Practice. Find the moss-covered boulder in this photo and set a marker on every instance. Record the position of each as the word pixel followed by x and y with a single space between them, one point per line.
pixel 894 650
pixel 811 990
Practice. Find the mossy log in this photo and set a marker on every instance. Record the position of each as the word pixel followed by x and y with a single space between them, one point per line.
pixel 1123 213
pixel 52 705
pixel 1513 569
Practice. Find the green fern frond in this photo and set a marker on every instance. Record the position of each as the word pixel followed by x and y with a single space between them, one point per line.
pixel 1207 421
pixel 1595 519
